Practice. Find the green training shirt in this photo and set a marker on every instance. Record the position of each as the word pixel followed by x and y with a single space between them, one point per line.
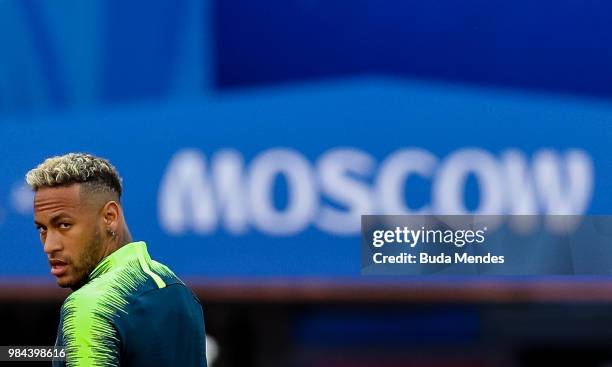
pixel 133 311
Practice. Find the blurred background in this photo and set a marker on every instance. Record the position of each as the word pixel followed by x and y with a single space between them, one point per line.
pixel 251 136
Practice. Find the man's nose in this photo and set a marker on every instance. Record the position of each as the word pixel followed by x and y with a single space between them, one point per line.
pixel 52 243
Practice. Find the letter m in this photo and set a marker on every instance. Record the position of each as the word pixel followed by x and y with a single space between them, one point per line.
pixel 191 198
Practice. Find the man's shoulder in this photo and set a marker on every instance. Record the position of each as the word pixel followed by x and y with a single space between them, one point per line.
pixel 165 273
pixel 171 293
pixel 170 289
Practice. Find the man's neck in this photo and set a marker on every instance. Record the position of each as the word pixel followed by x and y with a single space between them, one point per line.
pixel 123 238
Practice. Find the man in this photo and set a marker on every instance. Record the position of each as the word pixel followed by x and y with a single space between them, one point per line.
pixel 126 309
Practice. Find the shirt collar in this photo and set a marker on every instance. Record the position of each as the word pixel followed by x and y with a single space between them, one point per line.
pixel 125 254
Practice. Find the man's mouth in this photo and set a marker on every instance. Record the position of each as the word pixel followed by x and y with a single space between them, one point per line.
pixel 58 267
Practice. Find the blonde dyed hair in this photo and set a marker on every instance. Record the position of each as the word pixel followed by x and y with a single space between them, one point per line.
pixel 98 174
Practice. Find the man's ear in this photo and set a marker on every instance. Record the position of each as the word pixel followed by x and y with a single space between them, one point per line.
pixel 111 212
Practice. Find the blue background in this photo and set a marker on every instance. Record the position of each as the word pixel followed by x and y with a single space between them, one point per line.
pixel 305 75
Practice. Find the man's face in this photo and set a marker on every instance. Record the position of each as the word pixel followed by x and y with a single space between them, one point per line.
pixel 69 229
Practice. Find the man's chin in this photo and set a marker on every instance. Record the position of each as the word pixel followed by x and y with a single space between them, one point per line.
pixel 64 283
pixel 69 282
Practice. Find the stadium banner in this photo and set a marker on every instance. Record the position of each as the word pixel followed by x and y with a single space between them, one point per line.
pixel 272 183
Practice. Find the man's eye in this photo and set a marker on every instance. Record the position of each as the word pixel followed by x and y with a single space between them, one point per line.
pixel 64 225
pixel 41 229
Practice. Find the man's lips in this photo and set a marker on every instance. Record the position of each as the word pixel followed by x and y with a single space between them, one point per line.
pixel 58 267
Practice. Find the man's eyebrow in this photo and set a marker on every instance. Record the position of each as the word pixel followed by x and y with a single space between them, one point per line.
pixel 54 219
